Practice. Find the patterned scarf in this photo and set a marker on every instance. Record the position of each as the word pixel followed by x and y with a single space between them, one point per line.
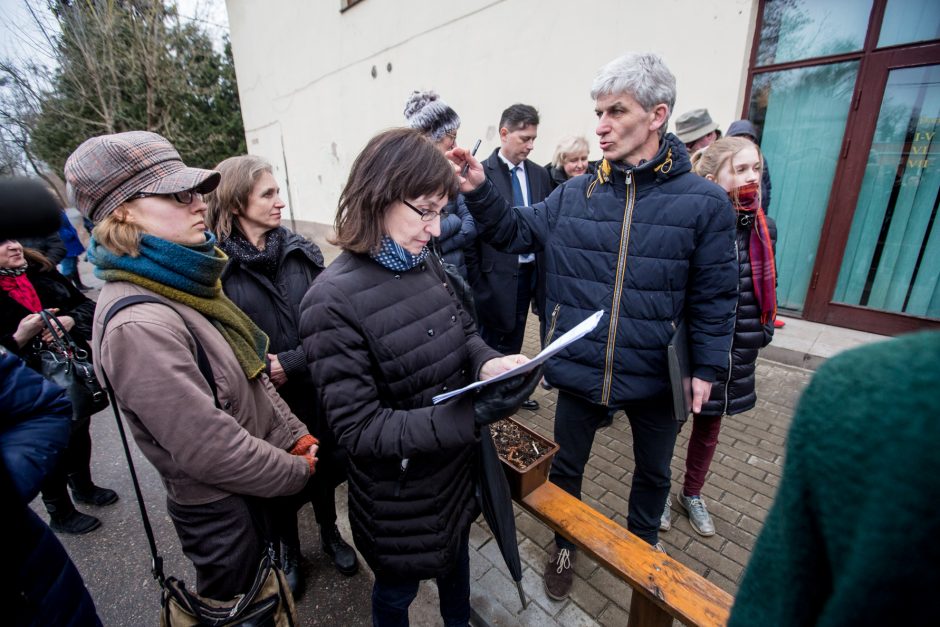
pixel 14 282
pixel 263 261
pixel 394 257
pixel 188 275
pixel 746 200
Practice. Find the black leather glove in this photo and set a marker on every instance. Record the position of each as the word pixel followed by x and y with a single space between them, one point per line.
pixel 501 400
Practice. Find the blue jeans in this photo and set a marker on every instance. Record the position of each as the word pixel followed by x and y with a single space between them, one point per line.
pixel 392 596
pixel 654 437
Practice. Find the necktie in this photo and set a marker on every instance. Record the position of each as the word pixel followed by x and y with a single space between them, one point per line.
pixel 518 200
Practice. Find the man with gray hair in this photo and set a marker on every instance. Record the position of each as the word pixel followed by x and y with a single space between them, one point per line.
pixel 650 244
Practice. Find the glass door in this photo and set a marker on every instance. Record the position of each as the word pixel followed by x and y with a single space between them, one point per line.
pixel 879 260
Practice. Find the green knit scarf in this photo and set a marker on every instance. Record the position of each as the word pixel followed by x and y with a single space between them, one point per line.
pixel 189 275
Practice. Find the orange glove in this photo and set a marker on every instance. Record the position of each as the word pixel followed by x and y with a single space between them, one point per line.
pixel 302 446
pixel 306 447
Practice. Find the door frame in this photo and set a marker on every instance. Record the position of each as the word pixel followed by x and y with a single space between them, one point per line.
pixel 847 182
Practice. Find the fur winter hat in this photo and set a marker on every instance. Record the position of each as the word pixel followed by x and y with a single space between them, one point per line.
pixel 426 112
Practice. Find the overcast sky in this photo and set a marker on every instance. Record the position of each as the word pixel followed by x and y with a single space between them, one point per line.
pixel 18 33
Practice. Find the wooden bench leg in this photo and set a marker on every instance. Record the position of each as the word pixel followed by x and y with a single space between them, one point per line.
pixel 645 613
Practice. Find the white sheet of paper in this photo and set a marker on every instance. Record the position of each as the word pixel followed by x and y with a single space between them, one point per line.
pixel 583 328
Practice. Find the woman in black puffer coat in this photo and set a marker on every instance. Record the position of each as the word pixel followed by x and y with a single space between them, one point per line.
pixel 735 164
pixel 383 336
pixel 270 269
pixel 28 283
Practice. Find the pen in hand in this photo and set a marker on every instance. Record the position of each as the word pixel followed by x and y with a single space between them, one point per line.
pixel 466 166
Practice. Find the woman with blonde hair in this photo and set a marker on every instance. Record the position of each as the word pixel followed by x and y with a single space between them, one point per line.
pixel 269 270
pixel 570 160
pixel 222 442
pixel 735 164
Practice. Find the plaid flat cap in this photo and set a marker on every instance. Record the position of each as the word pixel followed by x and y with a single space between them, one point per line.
pixel 108 170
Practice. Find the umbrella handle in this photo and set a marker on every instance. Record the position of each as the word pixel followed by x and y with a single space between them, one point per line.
pixel 522 598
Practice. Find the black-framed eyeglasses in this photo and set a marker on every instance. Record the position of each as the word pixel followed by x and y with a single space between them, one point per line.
pixel 426 214
pixel 184 198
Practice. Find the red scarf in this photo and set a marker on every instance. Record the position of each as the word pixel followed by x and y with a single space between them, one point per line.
pixel 746 199
pixel 22 291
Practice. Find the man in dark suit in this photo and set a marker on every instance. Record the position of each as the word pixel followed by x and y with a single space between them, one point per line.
pixel 503 284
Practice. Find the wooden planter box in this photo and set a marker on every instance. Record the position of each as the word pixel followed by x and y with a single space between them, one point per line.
pixel 522 482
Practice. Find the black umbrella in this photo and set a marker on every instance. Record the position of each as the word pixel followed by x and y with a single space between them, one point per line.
pixel 496 502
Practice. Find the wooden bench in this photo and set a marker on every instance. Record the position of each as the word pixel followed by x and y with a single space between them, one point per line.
pixel 663 588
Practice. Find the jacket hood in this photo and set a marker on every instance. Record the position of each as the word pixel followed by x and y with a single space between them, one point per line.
pixel 742 127
pixel 295 241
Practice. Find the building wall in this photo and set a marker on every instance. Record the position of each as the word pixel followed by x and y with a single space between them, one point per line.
pixel 310 101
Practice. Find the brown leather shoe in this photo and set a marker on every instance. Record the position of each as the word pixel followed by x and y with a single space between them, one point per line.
pixel 559 573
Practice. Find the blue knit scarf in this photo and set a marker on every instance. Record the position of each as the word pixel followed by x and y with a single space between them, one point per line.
pixel 392 256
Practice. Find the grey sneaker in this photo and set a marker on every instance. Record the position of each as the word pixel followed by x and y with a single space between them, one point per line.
pixel 698 514
pixel 665 523
pixel 659 547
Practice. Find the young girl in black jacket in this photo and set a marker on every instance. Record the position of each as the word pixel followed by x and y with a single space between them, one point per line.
pixel 735 163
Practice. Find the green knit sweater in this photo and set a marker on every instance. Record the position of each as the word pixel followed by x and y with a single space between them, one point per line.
pixel 853 537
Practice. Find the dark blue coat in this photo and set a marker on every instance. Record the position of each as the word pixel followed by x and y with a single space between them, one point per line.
pixel 648 254
pixel 494 273
pixel 36 415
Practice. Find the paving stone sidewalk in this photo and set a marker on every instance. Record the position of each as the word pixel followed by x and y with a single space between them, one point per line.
pixel 739 490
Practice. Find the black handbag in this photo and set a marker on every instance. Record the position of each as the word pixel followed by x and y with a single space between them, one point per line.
pixel 67 365
pixel 267 602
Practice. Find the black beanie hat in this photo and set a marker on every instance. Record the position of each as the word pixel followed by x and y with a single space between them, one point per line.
pixel 27 209
pixel 426 112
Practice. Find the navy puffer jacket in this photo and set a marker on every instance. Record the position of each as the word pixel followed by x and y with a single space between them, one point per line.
pixel 735 392
pixel 649 246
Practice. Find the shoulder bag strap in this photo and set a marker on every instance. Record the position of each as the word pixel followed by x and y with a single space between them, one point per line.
pixel 204 367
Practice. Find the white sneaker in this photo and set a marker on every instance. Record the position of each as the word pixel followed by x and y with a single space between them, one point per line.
pixel 699 517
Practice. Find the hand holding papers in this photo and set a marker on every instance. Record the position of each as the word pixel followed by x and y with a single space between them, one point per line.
pixel 582 329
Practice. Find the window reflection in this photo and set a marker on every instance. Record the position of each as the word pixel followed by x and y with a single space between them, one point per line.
pixel 892 257
pixel 801 29
pixel 907 21
pixel 801 115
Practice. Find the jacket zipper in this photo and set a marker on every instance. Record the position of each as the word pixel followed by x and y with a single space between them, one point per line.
pixel 551 329
pixel 618 290
pixel 731 350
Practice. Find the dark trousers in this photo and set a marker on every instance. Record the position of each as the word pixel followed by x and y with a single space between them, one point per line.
pixel 74 465
pixel 654 437
pixel 511 343
pixel 320 492
pixel 223 541
pixel 391 597
pixel 702 445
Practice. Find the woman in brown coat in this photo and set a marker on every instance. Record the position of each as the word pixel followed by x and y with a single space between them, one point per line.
pixel 218 452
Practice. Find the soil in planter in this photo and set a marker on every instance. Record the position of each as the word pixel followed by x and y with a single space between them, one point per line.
pixel 515 445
